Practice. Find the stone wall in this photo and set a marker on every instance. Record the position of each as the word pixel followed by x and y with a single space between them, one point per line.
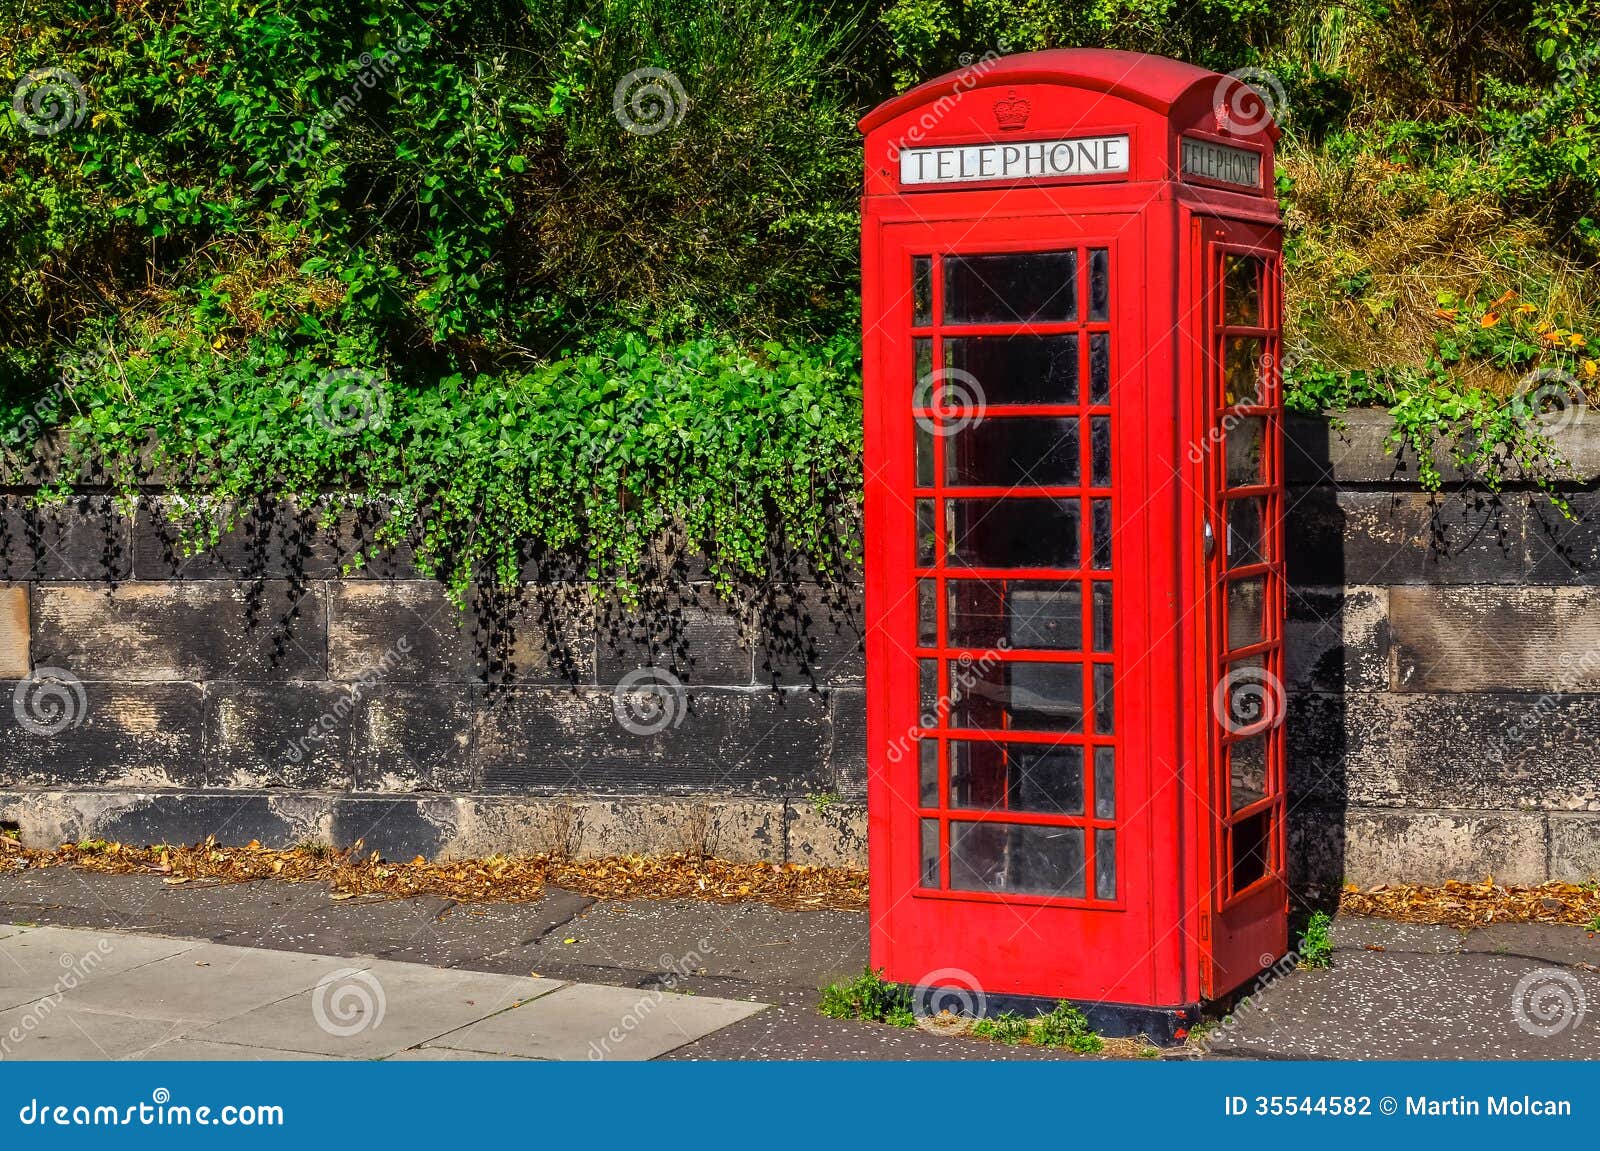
pixel 1444 666
pixel 1444 677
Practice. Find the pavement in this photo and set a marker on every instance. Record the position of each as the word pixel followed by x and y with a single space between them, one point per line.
pixel 131 967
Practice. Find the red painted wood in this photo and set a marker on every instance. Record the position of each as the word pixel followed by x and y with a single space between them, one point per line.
pixel 1169 934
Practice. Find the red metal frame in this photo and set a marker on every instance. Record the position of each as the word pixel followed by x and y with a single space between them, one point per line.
pixel 1161 936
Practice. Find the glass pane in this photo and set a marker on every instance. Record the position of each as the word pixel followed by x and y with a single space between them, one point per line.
pixel 927 623
pixel 927 534
pixel 1253 696
pixel 922 372
pixel 1104 706
pixel 1014 533
pixel 1245 438
pixel 1026 860
pixel 1245 522
pixel 928 772
pixel 1242 371
pixel 1099 284
pixel 922 438
pixel 1100 368
pixel 1247 601
pixel 1016 369
pixel 930 853
pixel 1241 291
pixel 1017 288
pixel 1100 451
pixel 1018 614
pixel 928 692
pixel 1105 864
pixel 1105 783
pixel 1102 534
pixel 1016 777
pixel 922 291
pixel 1017 696
pixel 1031 450
pixel 1102 617
pixel 1247 772
pixel 1250 841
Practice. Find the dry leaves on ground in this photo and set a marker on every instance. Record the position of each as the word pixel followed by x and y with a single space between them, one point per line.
pixel 1477 904
pixel 496 878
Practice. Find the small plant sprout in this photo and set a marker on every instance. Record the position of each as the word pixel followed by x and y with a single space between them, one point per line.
pixel 870 997
pixel 1316 945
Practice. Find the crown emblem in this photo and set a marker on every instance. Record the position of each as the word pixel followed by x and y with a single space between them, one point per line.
pixel 1012 110
pixel 1221 115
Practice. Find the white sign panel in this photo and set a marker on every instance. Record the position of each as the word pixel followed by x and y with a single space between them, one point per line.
pixel 1024 160
pixel 1219 162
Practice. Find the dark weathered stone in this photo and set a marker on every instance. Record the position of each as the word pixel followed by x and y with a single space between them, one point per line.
pixel 414 738
pixel 193 818
pixel 1504 752
pixel 1496 639
pixel 205 630
pixel 681 630
pixel 847 749
pixel 1337 639
pixel 709 741
pixel 292 735
pixel 1359 537
pixel 398 829
pixel 86 538
pixel 104 734
pixel 1350 450
pixel 408 631
pixel 1563 550
pixel 271 539
pixel 806 639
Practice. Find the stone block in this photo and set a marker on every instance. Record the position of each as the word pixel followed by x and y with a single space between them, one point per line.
pixel 1337 639
pixel 292 735
pixel 414 737
pixel 1366 537
pixel 14 661
pixel 1495 640
pixel 67 733
pixel 85 538
pixel 271 630
pixel 681 629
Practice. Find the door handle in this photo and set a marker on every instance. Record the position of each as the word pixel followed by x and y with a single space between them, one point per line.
pixel 1209 539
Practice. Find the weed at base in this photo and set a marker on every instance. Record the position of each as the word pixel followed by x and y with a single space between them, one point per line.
pixel 870 997
pixel 1316 945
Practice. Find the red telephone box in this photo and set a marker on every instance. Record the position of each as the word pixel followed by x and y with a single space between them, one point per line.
pixel 1074 497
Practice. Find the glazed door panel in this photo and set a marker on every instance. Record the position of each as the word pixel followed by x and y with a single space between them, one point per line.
pixel 1017 834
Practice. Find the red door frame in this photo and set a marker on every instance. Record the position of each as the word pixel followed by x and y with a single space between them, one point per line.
pixel 1129 950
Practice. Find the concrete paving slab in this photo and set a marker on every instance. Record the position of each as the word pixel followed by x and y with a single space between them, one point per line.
pixel 1358 933
pixel 184 1049
pixel 37 962
pixel 378 1010
pixel 207 983
pixel 35 1033
pixel 584 1021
